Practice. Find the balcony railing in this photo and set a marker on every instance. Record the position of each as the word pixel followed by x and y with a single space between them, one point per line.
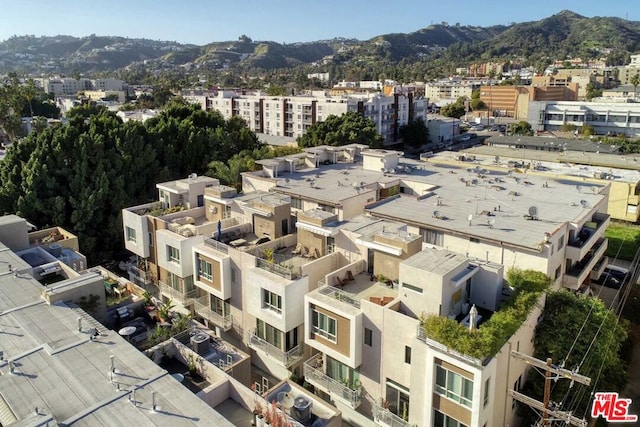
pixel 183 298
pixel 139 276
pixel 343 296
pixel 287 358
pixel 314 375
pixel 290 273
pixel 384 417
pixel 579 268
pixel 422 336
pixel 201 306
pixel 218 246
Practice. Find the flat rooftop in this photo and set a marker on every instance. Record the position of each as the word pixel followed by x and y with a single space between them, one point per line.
pixel 436 261
pixel 64 374
pixel 341 181
pixel 624 168
pixel 493 205
pixel 553 144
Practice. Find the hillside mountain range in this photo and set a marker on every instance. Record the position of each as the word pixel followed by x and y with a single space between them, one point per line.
pixel 561 36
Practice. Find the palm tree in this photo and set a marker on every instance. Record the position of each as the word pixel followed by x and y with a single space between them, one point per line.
pixel 635 81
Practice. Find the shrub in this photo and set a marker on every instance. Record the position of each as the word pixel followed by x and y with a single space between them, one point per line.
pixel 489 338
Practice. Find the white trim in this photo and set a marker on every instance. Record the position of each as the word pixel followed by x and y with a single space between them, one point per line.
pixel 379 247
pixel 317 230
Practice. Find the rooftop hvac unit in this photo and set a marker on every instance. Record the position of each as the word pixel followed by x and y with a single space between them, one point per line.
pixel 302 409
pixel 200 343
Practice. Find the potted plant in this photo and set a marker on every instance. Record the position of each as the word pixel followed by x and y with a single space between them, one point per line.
pixel 148 301
pixel 164 310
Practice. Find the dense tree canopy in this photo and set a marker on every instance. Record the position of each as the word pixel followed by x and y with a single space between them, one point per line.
pixel 520 128
pixel 593 349
pixel 80 176
pixel 415 133
pixel 346 129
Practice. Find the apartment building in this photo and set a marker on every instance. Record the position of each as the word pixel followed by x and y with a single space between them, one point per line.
pixel 292 116
pixel 604 117
pixel 379 241
pixel 513 101
pixel 70 86
pixel 443 92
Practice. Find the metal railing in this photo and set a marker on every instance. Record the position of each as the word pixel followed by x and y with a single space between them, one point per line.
pixel 287 358
pixel 139 276
pixel 218 246
pixel 183 298
pixel 422 336
pixel 314 375
pixel 385 417
pixel 201 306
pixel 343 296
pixel 290 273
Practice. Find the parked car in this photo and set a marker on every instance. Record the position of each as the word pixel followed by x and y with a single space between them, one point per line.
pixel 613 277
pixel 465 137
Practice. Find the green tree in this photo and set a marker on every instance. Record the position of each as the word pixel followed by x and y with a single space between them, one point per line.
pixel 455 109
pixel 590 341
pixel 593 91
pixel 349 128
pixel 276 90
pixel 520 128
pixel 635 81
pixel 11 103
pixel 415 133
pixel 477 104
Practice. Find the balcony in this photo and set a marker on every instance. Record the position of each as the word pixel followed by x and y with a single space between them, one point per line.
pixel 139 276
pixel 339 295
pixel 580 246
pixel 291 273
pixel 216 245
pixel 184 298
pixel 286 358
pixel 202 308
pixel 386 418
pixel 313 375
pixel 580 271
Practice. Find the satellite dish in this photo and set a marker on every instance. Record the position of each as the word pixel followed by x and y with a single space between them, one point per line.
pixel 579 188
pixel 533 212
pixel 469 218
pixel 491 222
pixel 436 214
pixel 584 203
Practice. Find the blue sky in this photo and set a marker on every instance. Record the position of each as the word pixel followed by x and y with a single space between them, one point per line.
pixel 202 21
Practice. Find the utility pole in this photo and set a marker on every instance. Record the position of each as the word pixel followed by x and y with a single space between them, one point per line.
pixel 544 406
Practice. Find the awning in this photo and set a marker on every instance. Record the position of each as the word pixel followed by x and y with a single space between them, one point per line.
pixel 379 247
pixel 316 229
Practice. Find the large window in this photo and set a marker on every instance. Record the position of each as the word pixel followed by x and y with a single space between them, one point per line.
pixel 398 398
pixel 271 301
pixel 443 420
pixel 324 326
pixel 454 386
pixel 268 333
pixel 173 254
pixel 205 269
pixel 131 235
pixel 296 203
pixel 432 236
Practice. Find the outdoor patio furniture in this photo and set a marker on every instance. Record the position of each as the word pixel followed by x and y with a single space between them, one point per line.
pixel 123 313
pixel 315 254
pixel 349 277
pixel 304 252
pixel 297 249
pixel 339 282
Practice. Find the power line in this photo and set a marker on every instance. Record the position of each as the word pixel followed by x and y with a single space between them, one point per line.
pixel 560 373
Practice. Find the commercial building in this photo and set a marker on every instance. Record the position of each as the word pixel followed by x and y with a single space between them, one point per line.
pixel 623 118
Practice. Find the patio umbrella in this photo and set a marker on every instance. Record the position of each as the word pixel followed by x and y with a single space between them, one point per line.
pixel 219 229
